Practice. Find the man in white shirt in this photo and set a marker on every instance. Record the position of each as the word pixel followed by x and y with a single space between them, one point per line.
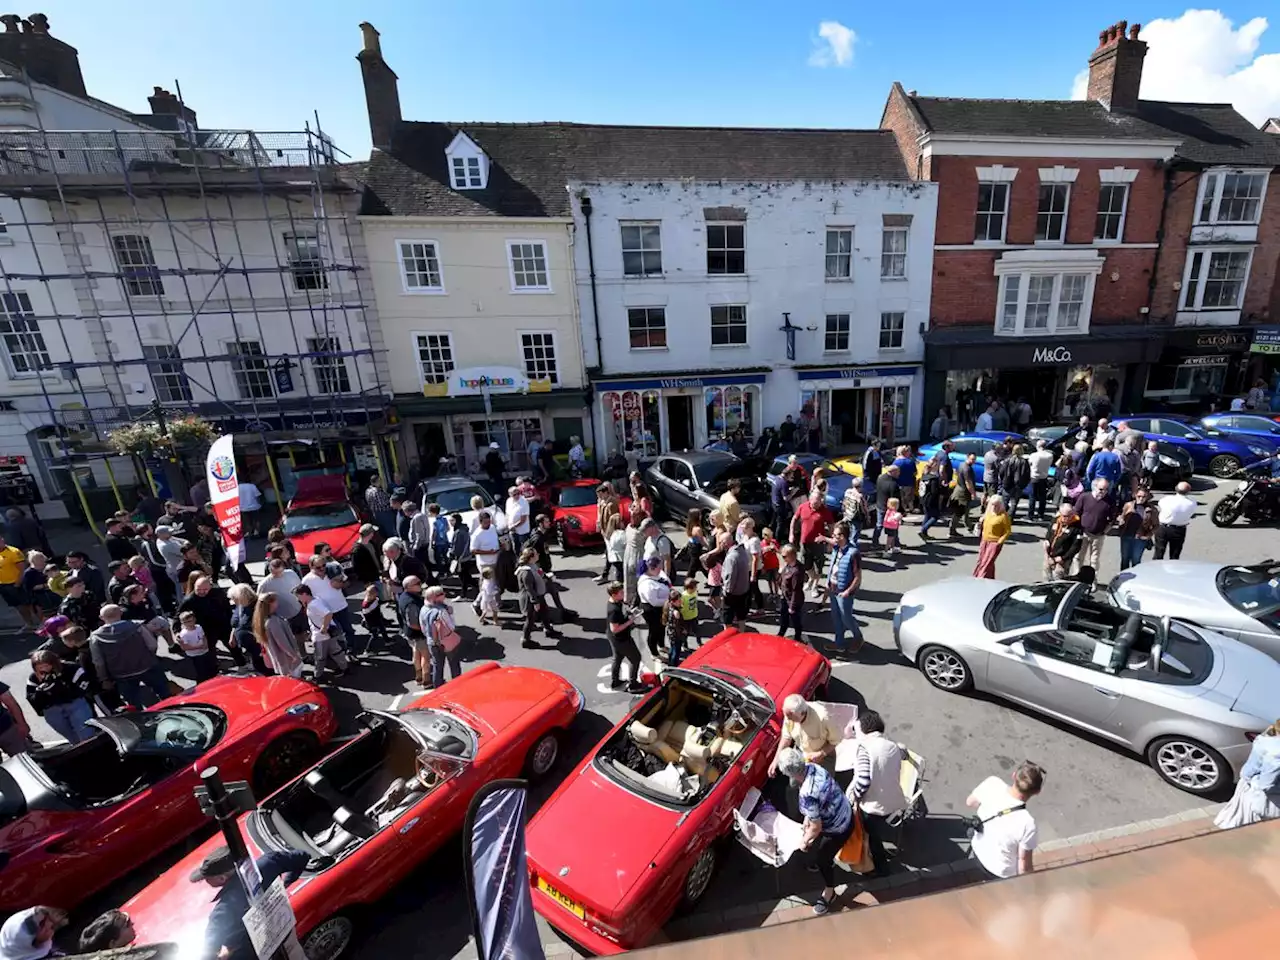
pixel 324 582
pixel 1105 432
pixel 1007 841
pixel 517 514
pixel 323 646
pixel 984 423
pixel 1040 462
pixel 250 506
pixel 1176 512
pixel 484 543
pixel 657 544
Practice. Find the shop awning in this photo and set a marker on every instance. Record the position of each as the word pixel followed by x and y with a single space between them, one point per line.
pixel 962 348
pixel 412 405
pixel 679 379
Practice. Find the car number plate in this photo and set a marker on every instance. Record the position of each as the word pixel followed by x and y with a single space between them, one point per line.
pixel 574 908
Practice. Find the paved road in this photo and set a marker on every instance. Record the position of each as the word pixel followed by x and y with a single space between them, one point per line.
pixel 1091 785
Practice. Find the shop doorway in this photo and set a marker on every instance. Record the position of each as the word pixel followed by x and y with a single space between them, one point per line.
pixel 1038 387
pixel 680 423
pixel 848 416
pixel 431 447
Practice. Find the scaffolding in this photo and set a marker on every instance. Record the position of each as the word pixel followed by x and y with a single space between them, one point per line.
pixel 161 260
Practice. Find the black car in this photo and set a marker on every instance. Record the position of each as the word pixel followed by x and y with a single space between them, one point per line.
pixel 1174 466
pixel 697 478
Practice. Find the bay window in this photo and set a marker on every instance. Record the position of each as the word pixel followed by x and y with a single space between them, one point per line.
pixel 1231 196
pixel 1215 279
pixel 1044 303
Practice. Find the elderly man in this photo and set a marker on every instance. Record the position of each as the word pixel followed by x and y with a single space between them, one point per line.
pixel 1176 512
pixel 1095 510
pixel 828 818
pixel 876 788
pixel 807 727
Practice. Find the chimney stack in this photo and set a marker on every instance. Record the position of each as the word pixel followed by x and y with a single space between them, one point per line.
pixel 381 92
pixel 165 104
pixel 46 59
pixel 1115 69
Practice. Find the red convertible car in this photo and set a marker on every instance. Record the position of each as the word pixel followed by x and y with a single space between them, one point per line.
pixel 633 832
pixel 375 809
pixel 77 817
pixel 575 512
pixel 321 511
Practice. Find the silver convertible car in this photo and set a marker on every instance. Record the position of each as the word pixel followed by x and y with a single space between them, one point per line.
pixel 1189 700
pixel 1241 602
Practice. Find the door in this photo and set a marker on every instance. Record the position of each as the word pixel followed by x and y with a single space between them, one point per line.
pixel 431 447
pixel 1054 672
pixel 679 494
pixel 679 423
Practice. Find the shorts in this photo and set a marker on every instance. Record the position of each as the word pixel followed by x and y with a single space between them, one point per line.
pixel 13 595
pixel 813 555
pixel 715 590
pixel 735 608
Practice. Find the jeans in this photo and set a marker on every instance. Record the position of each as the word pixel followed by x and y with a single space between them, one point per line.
pixel 131 687
pixel 1131 550
pixel 961 513
pixel 68 719
pixel 1170 537
pixel 875 534
pixel 788 619
pixel 1011 500
pixel 653 623
pixel 842 619
pixel 1039 494
pixel 877 828
pixel 624 648
pixel 932 514
pixel 438 657
pixel 342 619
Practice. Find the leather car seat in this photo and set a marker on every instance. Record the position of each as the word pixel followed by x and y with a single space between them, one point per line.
pixel 646 738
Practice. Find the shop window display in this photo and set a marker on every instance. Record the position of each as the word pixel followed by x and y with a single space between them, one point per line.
pixel 635 420
pixel 729 408
pixel 471 439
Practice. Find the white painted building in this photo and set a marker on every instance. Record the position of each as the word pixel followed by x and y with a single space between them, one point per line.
pixel 705 243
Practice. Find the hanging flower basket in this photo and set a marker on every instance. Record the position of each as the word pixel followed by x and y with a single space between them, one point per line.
pixel 191 431
pixel 145 439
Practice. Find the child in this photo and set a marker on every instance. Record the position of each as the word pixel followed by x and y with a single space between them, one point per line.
pixel 372 617
pixel 676 628
pixel 57 578
pixel 141 571
pixel 768 558
pixel 892 521
pixel 194 644
pixel 460 554
pixel 689 608
pixel 488 596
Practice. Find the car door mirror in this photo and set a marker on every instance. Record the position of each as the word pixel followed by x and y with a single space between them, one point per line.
pixel 688 483
pixel 1017 648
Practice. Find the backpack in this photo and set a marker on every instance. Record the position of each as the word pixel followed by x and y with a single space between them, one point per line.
pixel 643 563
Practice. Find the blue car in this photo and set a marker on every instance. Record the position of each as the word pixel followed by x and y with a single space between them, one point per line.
pixel 838 483
pixel 1265 425
pixel 1212 451
pixel 975 441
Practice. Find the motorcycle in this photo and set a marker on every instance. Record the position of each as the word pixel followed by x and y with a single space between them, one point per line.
pixel 1257 499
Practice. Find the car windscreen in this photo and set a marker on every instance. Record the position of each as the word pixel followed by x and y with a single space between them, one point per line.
pixel 458 499
pixel 1184 656
pixel 577 497
pixel 1254 591
pixel 709 471
pixel 320 516
pixel 441 732
pixel 1020 607
pixel 750 690
pixel 176 729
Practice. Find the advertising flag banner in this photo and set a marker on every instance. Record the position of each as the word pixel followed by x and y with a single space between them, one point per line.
pixel 224 494
pixel 496 875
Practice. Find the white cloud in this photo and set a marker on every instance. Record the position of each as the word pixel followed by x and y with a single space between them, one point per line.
pixel 1203 57
pixel 833 46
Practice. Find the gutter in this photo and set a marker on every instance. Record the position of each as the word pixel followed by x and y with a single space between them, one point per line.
pixel 585 202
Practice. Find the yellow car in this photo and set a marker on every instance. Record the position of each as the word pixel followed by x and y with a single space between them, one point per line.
pixel 851 465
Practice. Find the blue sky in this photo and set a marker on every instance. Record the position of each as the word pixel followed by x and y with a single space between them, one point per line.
pixel 269 65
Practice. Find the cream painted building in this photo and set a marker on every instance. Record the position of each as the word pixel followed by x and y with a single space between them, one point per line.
pixel 470 245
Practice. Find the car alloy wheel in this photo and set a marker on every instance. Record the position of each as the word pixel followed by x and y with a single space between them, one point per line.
pixel 944 669
pixel 699 878
pixel 282 760
pixel 1188 765
pixel 1224 466
pixel 543 755
pixel 328 940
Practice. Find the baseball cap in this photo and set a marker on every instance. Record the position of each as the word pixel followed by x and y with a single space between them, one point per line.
pixel 333 571
pixel 163 528
pixel 494 446
pixel 216 863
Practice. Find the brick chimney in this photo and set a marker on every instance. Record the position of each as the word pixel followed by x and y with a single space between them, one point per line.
pixel 165 104
pixel 27 43
pixel 1115 69
pixel 381 92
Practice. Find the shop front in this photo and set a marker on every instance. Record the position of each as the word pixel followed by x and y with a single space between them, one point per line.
pixel 681 412
pixel 1199 367
pixel 1264 362
pixel 1060 378
pixel 854 404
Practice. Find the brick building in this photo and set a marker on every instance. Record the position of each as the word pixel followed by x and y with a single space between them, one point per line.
pixel 1111 251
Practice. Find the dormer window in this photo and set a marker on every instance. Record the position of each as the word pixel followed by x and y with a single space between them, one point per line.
pixel 468 165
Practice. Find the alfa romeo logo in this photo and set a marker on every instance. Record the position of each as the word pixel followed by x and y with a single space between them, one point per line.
pixel 223 468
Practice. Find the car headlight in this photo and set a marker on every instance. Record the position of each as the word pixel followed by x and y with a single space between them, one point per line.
pixel 302 709
pixel 1260 451
pixel 1168 461
pixel 573 522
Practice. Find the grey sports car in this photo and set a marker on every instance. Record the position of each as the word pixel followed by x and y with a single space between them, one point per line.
pixel 1188 699
pixel 1241 602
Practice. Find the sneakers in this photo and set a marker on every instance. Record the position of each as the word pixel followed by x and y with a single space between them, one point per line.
pixel 601 580
pixel 530 645
pixel 632 687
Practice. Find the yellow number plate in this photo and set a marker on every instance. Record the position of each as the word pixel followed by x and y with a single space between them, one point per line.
pixel 561 899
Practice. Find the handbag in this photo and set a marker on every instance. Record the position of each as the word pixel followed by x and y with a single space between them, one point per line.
pixel 856 852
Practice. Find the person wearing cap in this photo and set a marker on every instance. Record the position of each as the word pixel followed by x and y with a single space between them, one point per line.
pixel 225 936
pixel 494 466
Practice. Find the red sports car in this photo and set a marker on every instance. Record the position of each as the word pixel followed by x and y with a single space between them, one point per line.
pixel 374 810
pixel 77 817
pixel 575 512
pixel 321 511
pixel 632 833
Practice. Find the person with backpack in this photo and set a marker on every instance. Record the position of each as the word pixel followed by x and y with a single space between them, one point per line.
pixel 736 574
pixel 657 544
pixel 855 511
pixel 935 487
pixel 441 633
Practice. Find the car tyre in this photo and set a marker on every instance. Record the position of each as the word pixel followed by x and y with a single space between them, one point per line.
pixel 1224 466
pixel 331 938
pixel 542 756
pixel 945 669
pixel 1189 765
pixel 282 760
pixel 698 879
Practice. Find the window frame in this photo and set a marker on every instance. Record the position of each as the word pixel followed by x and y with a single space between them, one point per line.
pixel 418 347
pixel 1191 296
pixel 1218 177
pixel 22 327
pixel 301 267
pixel 331 368
pixel 525 346
pixel 642 250
pixel 828 277
pixel 244 366
pixel 1120 215
pixel 730 323
pixel 901 330
pixel 1053 186
pixel 1023 280
pixel 167 390
pixel 726 250
pixel 828 333
pixel 464 183
pixel 1003 213
pixel 885 233
pixel 546 266
pixel 648 328
pixel 405 286
pixel 137 273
